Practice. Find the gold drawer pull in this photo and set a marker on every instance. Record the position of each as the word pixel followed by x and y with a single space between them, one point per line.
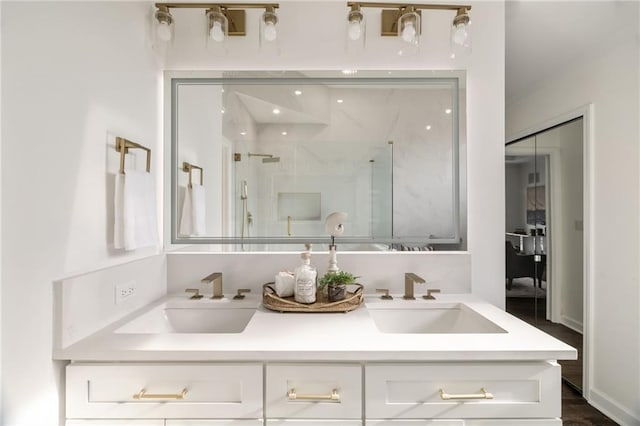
pixel 483 395
pixel 293 396
pixel 144 395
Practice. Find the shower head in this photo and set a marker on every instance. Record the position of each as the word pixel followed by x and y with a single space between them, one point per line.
pixel 267 158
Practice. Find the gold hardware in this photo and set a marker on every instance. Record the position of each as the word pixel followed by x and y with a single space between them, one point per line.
pixel 123 145
pixel 484 395
pixel 234 12
pixel 144 395
pixel 188 168
pixel 195 291
pixel 389 17
pixel 237 156
pixel 429 296
pixel 386 295
pixel 409 279
pixel 289 226
pixel 239 295
pixel 216 280
pixel 293 396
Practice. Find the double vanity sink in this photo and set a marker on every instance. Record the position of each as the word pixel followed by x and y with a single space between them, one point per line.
pixel 224 316
pixel 452 327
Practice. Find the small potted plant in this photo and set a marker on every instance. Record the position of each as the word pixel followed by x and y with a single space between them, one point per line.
pixel 336 283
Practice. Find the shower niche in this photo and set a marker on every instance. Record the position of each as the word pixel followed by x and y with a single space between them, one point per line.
pixel 282 150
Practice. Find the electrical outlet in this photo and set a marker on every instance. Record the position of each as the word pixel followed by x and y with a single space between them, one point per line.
pixel 124 291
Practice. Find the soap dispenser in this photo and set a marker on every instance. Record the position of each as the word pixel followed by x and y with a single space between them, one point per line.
pixel 305 280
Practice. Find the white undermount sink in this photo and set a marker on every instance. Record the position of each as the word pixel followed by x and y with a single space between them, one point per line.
pixel 432 318
pixel 166 319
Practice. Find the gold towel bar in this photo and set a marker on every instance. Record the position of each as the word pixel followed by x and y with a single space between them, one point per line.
pixel 123 145
pixel 188 167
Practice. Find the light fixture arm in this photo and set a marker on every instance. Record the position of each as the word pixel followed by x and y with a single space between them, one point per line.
pixel 455 7
pixel 221 5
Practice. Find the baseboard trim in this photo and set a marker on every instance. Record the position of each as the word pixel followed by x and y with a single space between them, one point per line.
pixel 613 410
pixel 572 324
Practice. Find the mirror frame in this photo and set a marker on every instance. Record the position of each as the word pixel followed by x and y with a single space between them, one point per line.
pixel 176 78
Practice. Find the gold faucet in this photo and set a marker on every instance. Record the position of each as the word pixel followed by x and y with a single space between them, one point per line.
pixel 409 279
pixel 216 280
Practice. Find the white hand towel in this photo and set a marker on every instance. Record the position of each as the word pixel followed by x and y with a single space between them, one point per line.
pixel 192 222
pixel 285 283
pixel 136 223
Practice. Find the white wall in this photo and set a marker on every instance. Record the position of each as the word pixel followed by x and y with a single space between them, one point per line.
pixel 322 48
pixel 609 80
pixel 73 74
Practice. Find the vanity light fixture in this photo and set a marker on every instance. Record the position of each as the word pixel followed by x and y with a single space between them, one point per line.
pixel 217 25
pixel 163 24
pixel 403 20
pixel 222 19
pixel 340 101
pixel 460 33
pixel 268 29
pixel 355 27
pixel 409 30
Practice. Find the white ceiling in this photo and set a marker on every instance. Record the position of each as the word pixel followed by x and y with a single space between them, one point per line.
pixel 544 37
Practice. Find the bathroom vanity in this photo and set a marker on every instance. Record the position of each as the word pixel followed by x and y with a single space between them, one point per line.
pixel 452 361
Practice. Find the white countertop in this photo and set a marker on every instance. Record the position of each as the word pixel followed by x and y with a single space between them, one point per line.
pixel 352 336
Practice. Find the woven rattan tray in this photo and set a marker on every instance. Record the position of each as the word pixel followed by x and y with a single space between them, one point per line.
pixel 352 301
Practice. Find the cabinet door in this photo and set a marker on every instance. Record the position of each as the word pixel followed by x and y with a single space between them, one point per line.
pixel 164 391
pixel 314 391
pixel 455 390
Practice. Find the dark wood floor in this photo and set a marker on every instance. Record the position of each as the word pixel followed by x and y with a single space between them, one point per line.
pixel 576 411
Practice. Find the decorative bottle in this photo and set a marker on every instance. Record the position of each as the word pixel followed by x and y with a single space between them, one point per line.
pixel 305 275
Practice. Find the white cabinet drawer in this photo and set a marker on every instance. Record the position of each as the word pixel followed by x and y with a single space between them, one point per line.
pixel 304 391
pixel 519 389
pixel 214 423
pixel 168 391
pixel 314 422
pixel 128 422
pixel 473 422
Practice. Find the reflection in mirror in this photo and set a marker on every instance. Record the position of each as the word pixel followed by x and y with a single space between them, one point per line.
pixel 281 151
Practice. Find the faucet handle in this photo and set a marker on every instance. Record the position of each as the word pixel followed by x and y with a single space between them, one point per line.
pixel 239 295
pixel 429 296
pixel 195 291
pixel 386 295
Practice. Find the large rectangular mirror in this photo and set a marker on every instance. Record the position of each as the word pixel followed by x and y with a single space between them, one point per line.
pixel 260 159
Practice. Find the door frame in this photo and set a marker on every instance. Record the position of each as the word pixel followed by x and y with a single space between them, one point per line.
pixel 585 111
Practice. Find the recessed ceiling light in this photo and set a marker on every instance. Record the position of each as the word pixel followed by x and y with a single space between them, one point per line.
pixel 349 72
pixel 276 111
pixel 340 101
pixel 298 92
pixel 222 110
pixel 447 111
pixel 428 127
pixel 284 133
pixel 243 133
